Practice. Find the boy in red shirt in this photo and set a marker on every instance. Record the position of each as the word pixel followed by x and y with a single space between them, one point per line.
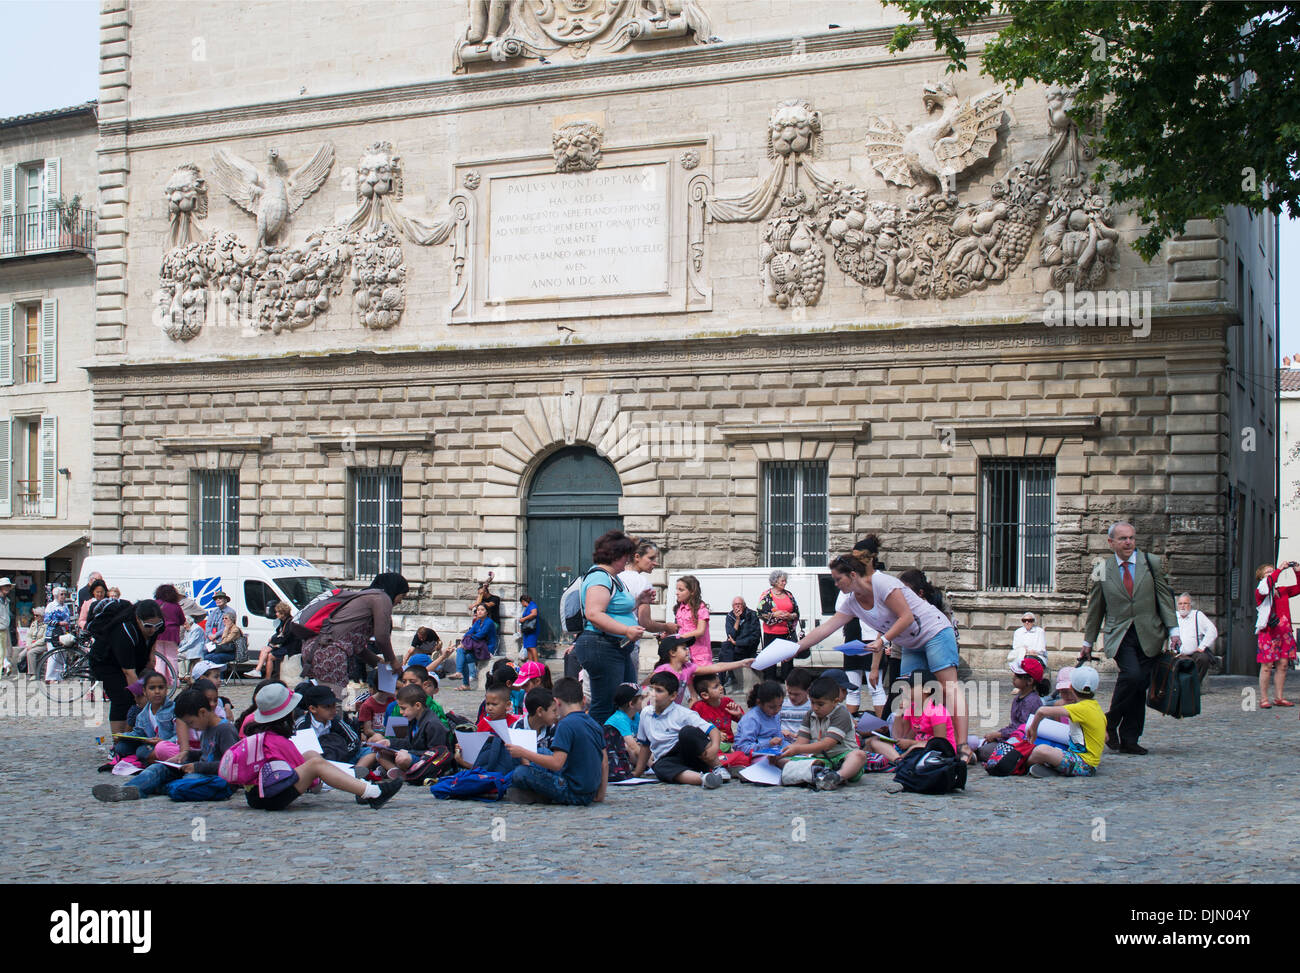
pixel 719 710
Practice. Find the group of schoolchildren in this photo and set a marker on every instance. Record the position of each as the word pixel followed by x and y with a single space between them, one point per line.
pixel 196 748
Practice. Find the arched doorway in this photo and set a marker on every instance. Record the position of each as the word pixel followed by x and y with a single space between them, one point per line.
pixel 572 500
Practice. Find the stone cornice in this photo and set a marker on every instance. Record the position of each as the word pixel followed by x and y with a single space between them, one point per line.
pixel 225 444
pixel 345 442
pixel 1053 426
pixel 764 432
pixel 711 64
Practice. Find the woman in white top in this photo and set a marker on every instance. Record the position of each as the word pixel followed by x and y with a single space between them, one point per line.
pixel 1029 639
pixel 637 578
pixel 902 617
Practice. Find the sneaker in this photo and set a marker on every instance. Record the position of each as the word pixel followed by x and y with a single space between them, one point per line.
pixel 111 793
pixel 520 795
pixel 828 780
pixel 1042 770
pixel 711 781
pixel 723 772
pixel 386 791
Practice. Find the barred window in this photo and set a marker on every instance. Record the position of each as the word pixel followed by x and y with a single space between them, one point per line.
pixel 374 521
pixel 214 512
pixel 1018 524
pixel 795 525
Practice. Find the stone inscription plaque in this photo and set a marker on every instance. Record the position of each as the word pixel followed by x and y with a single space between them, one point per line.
pixel 602 233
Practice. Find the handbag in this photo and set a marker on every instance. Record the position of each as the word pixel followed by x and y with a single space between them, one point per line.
pixel 478 647
pixel 275 776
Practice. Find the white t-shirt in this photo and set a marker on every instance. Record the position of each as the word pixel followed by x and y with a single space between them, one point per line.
pixel 1196 623
pixel 928 620
pixel 1027 641
pixel 635 582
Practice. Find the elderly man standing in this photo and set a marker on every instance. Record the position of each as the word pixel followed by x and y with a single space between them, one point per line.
pixel 1198 634
pixel 1131 596
pixel 8 629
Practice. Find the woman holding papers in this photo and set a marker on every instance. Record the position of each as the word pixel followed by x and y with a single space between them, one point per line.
pixel 884 603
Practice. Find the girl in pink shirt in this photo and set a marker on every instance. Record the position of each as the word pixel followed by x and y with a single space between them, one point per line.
pixel 692 619
pixel 674 658
pixel 916 731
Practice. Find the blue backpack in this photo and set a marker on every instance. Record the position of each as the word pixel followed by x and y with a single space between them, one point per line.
pixel 199 787
pixel 482 785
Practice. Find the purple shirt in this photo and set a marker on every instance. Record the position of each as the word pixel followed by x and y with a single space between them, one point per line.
pixel 1022 708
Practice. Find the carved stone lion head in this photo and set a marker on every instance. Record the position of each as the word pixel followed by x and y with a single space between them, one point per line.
pixel 379 173
pixel 577 146
pixel 937 95
pixel 187 192
pixel 793 129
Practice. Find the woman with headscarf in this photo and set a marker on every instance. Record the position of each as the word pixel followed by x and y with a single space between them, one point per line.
pixel 347 633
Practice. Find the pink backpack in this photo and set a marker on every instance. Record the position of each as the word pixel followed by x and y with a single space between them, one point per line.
pixel 241 765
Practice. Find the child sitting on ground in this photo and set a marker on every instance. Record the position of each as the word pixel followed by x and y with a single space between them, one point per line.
pixel 796 705
pixel 340 739
pixel 576 770
pixel 680 747
pixel 273 720
pixel 543 713
pixel 1081 760
pixel 760 727
pixel 372 710
pixel 716 708
pixel 496 706
pixel 1025 676
pixel 532 675
pixel 425 732
pixel 216 736
pixel 913 730
pixel 827 737
pixel 625 720
pixel 155 722
pixel 675 659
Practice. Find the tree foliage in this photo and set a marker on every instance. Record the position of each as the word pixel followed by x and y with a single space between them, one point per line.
pixel 1199 105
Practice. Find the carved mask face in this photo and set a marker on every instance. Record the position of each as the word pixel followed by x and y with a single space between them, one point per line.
pixel 576 149
pixel 182 191
pixel 375 175
pixel 793 128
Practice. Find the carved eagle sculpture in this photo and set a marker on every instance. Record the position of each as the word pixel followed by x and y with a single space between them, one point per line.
pixel 936 152
pixel 272 198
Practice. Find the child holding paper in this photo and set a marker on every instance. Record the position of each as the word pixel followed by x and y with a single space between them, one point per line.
pixel 760 727
pixel 720 710
pixel 1025 676
pixel 155 722
pixel 425 732
pixel 1081 760
pixel 543 713
pixel 923 720
pixel 796 704
pixel 675 659
pixel 827 737
pixel 678 745
pixel 576 770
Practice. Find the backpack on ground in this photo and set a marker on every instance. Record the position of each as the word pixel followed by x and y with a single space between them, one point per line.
pixel 199 787
pixel 934 770
pixel 571 601
pixel 1008 760
pixel 429 766
pixel 482 785
pixel 620 762
pixel 313 616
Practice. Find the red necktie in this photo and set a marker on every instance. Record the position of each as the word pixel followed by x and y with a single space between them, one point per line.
pixel 1128 579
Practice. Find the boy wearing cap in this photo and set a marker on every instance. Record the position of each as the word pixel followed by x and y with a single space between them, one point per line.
pixel 1025 675
pixel 576 770
pixel 1082 759
pixel 339 740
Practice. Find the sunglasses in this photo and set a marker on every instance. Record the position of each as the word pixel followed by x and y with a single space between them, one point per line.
pixel 153 626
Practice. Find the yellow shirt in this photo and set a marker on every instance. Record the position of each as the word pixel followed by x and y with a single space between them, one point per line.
pixel 1088 714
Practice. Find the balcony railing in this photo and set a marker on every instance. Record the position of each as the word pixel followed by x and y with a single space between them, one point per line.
pixel 67 230
pixel 29 498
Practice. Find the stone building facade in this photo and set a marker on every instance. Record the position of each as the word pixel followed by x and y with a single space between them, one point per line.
pixel 48 184
pixel 726 274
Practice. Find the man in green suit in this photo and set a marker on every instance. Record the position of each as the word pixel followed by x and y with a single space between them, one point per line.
pixel 1131 595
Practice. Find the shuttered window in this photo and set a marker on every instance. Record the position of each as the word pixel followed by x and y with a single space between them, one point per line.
pixel 214 512
pixel 795 523
pixel 374 541
pixel 1018 524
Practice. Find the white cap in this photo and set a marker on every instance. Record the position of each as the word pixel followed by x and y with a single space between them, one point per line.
pixel 5 582
pixel 1085 679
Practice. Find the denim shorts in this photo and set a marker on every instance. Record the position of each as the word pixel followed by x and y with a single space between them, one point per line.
pixel 936 655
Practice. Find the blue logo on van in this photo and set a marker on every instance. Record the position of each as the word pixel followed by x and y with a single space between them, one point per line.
pixel 286 562
pixel 202 589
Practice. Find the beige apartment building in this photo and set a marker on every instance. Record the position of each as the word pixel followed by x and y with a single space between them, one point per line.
pixel 452 288
pixel 48 184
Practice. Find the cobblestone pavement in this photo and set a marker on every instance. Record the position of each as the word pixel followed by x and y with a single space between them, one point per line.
pixel 1214 802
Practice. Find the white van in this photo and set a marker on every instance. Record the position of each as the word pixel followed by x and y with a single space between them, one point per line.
pixel 813 589
pixel 254 583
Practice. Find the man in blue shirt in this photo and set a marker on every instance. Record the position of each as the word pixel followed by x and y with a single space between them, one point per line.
pixel 576 769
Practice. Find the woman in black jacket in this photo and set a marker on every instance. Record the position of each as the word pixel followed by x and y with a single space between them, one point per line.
pixel 123 648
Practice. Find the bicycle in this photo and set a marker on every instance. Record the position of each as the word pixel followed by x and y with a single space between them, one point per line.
pixel 65 676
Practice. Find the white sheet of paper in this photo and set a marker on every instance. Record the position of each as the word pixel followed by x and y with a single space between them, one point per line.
pixel 519 736
pixel 471 744
pixel 1055 731
pixel 762 771
pixel 124 769
pixel 171 763
pixel 869 723
pixel 387 679
pixel 778 650
pixel 634 780
pixel 395 723
pixel 307 741
pixel 501 727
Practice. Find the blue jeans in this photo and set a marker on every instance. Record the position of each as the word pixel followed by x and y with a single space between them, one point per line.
pixel 467 666
pixel 549 785
pixel 220 656
pixel 153 779
pixel 606 664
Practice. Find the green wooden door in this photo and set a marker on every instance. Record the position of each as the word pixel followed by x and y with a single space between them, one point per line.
pixel 572 500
